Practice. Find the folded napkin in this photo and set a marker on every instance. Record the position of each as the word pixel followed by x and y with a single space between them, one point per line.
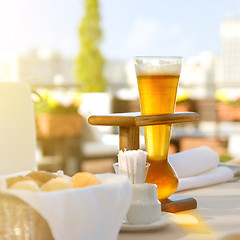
pixel 198 167
pixel 94 212
pixel 214 176
pixel 194 161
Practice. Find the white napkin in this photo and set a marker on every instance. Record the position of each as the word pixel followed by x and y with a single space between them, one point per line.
pixel 214 176
pixel 194 161
pixel 198 167
pixel 91 213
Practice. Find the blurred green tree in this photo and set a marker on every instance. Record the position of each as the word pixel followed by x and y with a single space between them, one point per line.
pixel 89 63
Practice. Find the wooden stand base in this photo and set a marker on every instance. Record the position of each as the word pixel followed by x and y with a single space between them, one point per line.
pixel 177 204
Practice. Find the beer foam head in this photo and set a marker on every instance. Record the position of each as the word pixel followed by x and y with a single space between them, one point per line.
pixel 154 66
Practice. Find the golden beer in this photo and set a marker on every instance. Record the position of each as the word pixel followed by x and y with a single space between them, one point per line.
pixel 157 87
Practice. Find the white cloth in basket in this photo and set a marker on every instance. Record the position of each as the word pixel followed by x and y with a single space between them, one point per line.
pixel 94 212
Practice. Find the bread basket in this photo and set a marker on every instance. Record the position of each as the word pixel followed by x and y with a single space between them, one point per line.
pixel 19 221
pixel 94 212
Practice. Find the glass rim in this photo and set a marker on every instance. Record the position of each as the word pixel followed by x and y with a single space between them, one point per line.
pixel 158 57
pixel 117 164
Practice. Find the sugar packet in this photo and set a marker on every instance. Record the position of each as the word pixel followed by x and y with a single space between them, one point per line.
pixel 132 163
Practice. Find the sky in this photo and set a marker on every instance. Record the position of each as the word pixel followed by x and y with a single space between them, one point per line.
pixel 130 27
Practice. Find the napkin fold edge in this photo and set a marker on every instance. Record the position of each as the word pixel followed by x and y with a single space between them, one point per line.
pixel 215 176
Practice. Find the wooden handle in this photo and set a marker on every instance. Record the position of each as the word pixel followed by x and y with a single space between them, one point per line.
pixel 180 117
pixel 115 119
pixel 128 138
pixel 136 119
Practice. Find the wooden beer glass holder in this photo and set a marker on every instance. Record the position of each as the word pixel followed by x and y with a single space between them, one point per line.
pixel 129 124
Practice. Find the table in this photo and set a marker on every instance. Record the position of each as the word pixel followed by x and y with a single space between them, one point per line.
pixel 217 216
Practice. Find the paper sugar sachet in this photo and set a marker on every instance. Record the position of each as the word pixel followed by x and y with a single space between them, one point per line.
pixel 132 163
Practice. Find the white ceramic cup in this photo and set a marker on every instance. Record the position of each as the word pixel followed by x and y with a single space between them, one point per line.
pixel 145 207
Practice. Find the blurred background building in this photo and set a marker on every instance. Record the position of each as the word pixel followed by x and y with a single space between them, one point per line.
pixel 203 73
pixel 230 52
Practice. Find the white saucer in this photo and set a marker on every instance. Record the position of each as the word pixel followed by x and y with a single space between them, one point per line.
pixel 162 222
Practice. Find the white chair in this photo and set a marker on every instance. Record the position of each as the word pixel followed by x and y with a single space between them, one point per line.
pixel 17 129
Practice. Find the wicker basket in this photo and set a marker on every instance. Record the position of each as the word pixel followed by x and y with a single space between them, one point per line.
pixel 18 221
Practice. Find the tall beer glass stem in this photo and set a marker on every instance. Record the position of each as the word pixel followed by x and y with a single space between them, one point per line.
pixel 158 79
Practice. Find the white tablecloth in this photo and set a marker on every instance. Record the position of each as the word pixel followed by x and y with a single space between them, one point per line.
pixel 217 215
